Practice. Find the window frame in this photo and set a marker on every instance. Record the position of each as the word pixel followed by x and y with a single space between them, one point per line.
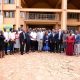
pixel 9 2
pixel 11 14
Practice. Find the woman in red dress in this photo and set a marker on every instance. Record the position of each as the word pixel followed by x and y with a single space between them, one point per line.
pixel 70 44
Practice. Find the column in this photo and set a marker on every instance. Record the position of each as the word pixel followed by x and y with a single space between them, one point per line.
pixel 64 15
pixel 79 28
pixel 1 16
pixel 25 26
pixel 18 4
pixel 56 26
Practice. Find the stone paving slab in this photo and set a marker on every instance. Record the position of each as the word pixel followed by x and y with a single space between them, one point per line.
pixel 40 66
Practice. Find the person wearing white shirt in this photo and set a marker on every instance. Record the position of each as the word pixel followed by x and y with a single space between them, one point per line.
pixel 40 35
pixel 6 35
pixel 33 37
pixel 11 40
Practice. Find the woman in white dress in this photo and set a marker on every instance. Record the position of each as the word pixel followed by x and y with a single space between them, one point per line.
pixel 17 43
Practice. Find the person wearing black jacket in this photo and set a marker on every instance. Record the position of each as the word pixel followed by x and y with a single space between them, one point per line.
pixel 52 41
pixel 27 41
pixel 59 40
pixel 22 38
pixel 1 44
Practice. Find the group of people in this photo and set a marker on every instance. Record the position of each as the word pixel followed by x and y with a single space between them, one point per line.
pixel 39 39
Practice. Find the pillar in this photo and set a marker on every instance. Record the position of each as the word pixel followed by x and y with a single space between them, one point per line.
pixel 1 16
pixel 56 26
pixel 18 4
pixel 64 15
pixel 79 28
pixel 25 25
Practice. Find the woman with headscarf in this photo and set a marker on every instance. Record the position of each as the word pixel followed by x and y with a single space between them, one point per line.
pixel 70 44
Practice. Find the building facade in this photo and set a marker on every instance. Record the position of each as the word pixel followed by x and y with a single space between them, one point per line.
pixel 64 14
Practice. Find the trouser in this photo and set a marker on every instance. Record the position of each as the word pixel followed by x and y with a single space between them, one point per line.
pixel 77 49
pixel 6 47
pixel 40 45
pixel 33 45
pixel 36 45
pixel 22 48
pixel 1 54
pixel 11 46
pixel 58 47
pixel 52 47
pixel 27 47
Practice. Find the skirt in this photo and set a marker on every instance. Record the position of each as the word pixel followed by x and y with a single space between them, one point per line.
pixel 17 44
pixel 46 47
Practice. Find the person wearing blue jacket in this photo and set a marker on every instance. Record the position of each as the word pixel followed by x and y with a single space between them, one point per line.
pixel 77 43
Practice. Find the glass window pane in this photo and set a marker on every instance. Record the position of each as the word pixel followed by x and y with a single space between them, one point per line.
pixel 6 1
pixel 11 1
pixel 0 1
pixel 11 14
pixel 6 14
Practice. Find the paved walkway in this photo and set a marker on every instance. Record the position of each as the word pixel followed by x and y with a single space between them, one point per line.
pixel 40 66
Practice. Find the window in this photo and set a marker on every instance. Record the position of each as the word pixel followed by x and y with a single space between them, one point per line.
pixel 73 16
pixel 9 1
pixel 22 14
pixel 9 14
pixel 0 1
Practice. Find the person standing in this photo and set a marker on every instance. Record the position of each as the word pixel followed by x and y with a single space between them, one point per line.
pixel 77 43
pixel 22 38
pixel 46 44
pixel 52 41
pixel 6 41
pixel 17 42
pixel 60 40
pixel 1 44
pixel 65 34
pixel 70 44
pixel 27 41
pixel 56 41
pixel 40 35
pixel 11 40
pixel 33 37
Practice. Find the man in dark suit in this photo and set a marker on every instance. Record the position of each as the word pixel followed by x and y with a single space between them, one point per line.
pixel 56 40
pixel 60 40
pixel 52 41
pixel 27 41
pixel 22 38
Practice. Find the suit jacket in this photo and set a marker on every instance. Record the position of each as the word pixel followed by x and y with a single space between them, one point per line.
pixel 21 38
pixel 52 38
pixel 27 40
pixel 61 37
pixel 56 37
